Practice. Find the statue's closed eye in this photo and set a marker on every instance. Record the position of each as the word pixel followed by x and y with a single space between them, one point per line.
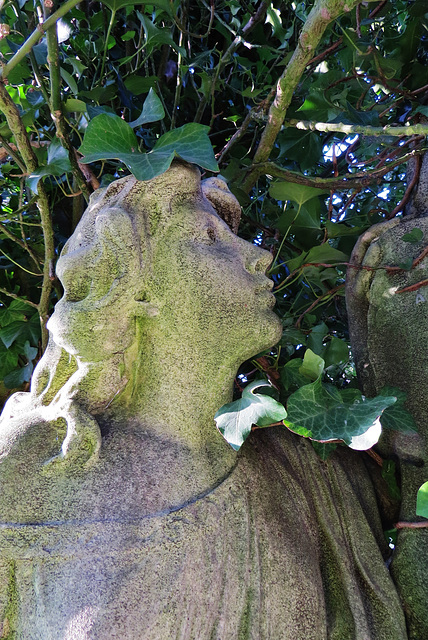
pixel 77 287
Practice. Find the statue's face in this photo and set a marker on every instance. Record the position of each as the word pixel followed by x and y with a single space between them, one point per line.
pixel 211 284
pixel 203 284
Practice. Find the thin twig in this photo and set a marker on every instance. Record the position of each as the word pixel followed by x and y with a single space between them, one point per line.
pixel 12 154
pixel 4 229
pixel 236 136
pixel 15 297
pixel 178 85
pixel 326 52
pixel 411 525
pixel 358 20
pixel 413 287
pixel 37 35
pixel 349 181
pixel 400 206
pixel 248 27
pixel 375 456
pixel 182 29
pixel 316 302
pixel 420 257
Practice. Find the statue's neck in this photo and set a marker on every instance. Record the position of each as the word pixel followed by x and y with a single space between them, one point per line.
pixel 173 401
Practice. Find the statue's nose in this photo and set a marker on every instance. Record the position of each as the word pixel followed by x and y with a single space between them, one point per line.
pixel 257 260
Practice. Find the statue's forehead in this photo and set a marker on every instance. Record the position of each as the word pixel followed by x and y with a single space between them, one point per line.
pixel 174 200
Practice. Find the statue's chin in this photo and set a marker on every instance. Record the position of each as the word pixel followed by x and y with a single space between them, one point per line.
pixel 277 328
pixel 268 334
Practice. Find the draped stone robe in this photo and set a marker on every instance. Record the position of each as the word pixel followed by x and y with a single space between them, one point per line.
pixel 285 546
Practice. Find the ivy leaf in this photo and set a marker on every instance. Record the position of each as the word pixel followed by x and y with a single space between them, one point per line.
pixel 305 217
pixel 17 310
pixel 352 116
pixel 291 375
pixel 109 137
pixel 73 105
pixel 68 79
pixel 312 365
pixel 17 377
pixel 115 5
pixel 156 36
pixel 93 112
pixel 316 338
pixel 191 143
pixel 336 351
pixel 41 52
pixel 324 449
pixel 325 253
pixel 57 164
pixel 12 331
pixel 397 417
pixel 321 410
pixel 315 105
pixel 235 419
pixel 29 352
pixel 138 85
pixel 338 230
pixel 298 193
pixel 422 501
pixel 35 98
pixel 415 235
pixel 8 360
pixel 390 477
pixel 152 110
pixel 294 336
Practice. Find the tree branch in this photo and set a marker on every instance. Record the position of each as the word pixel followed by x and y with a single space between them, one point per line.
pixel 22 141
pixel 56 109
pixel 15 297
pixel 12 153
pixel 21 243
pixel 350 181
pixel 49 261
pixel 411 525
pixel 322 14
pixel 37 34
pixel 252 22
pixel 15 124
pixel 352 129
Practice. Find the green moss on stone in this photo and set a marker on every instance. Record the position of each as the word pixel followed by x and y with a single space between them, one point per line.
pixel 10 616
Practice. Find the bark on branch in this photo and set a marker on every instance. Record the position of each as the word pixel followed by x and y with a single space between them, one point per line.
pixel 352 129
pixel 322 14
pixel 349 181
pixel 26 151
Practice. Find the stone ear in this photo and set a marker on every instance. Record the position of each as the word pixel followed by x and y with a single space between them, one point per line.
pixel 223 201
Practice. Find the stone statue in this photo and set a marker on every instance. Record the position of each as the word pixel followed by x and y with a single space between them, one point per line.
pixel 123 512
pixel 387 299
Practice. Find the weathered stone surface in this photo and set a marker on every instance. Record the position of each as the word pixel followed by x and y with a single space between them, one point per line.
pixel 389 330
pixel 123 512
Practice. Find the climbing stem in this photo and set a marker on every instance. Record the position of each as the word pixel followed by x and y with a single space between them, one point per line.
pixel 26 151
pixel 322 14
pixel 56 109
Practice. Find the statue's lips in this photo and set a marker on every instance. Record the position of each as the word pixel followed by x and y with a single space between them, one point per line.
pixel 266 289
